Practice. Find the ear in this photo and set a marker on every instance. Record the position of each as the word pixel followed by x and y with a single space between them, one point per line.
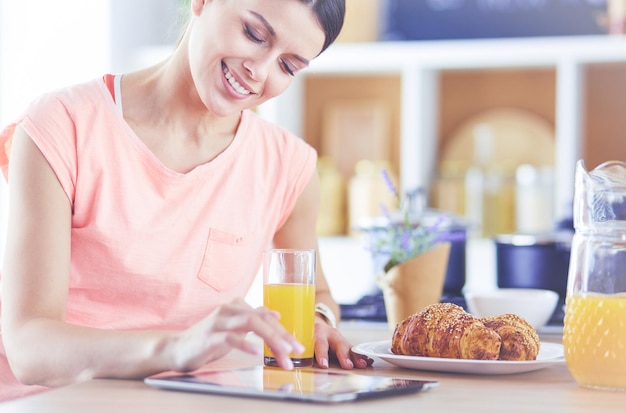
pixel 197 6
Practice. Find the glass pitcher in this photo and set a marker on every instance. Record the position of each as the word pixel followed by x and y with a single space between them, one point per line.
pixel 594 334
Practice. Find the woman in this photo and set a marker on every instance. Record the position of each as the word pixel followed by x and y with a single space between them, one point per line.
pixel 140 206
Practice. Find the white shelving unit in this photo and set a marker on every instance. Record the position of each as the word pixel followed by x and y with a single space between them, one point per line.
pixel 419 63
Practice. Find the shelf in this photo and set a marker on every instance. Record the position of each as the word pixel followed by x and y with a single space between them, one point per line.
pixel 394 57
pixel 419 64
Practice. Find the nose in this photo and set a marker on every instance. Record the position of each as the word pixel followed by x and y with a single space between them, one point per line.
pixel 258 68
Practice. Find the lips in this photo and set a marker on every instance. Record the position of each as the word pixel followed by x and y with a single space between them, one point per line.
pixel 234 84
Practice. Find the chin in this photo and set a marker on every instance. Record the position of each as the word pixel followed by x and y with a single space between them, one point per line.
pixel 225 110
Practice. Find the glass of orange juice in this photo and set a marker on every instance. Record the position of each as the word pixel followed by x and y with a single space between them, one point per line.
pixel 289 289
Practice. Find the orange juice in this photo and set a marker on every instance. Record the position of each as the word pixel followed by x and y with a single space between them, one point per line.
pixel 594 339
pixel 296 381
pixel 296 305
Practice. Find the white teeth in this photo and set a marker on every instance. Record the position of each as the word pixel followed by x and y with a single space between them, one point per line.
pixel 240 89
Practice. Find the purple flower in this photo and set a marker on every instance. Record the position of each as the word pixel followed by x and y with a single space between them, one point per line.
pixel 404 239
pixel 390 184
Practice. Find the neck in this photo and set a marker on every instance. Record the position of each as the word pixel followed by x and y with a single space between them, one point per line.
pixel 165 95
pixel 163 108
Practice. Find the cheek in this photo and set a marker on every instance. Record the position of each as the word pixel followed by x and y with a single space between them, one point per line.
pixel 196 58
pixel 278 85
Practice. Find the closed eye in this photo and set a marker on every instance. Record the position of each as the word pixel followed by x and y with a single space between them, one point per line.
pixel 287 67
pixel 252 34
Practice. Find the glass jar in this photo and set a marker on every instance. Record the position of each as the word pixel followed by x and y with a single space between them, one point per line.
pixel 594 334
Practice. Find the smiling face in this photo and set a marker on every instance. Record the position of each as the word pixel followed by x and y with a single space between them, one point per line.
pixel 244 52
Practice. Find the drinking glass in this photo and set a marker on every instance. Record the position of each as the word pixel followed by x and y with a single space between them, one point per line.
pixel 289 289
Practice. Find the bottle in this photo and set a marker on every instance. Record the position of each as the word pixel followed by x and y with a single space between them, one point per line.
pixel 332 206
pixel 475 178
pixel 368 193
pixel 617 16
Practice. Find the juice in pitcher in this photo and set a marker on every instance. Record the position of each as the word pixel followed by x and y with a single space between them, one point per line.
pixel 594 331
pixel 594 339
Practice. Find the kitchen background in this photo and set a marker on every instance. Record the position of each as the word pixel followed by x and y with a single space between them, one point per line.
pixel 478 106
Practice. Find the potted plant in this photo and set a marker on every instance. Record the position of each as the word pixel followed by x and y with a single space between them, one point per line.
pixel 414 251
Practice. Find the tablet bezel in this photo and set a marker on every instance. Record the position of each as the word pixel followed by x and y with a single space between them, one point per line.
pixel 370 386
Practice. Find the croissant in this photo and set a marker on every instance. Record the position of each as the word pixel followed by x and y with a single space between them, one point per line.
pixel 445 330
pixel 519 339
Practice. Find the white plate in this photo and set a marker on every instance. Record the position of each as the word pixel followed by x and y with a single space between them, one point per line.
pixel 549 353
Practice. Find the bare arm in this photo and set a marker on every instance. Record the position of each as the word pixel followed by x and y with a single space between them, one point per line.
pixel 300 232
pixel 42 348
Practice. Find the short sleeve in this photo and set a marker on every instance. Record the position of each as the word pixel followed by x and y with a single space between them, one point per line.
pixel 51 127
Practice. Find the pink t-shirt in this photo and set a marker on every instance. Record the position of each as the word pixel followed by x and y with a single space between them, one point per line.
pixel 151 247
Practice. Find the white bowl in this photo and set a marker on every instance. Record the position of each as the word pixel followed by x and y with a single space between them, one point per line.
pixel 534 305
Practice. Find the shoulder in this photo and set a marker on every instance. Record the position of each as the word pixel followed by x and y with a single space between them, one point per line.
pixel 81 96
pixel 66 108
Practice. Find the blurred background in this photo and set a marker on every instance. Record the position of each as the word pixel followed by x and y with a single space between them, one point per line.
pixel 477 108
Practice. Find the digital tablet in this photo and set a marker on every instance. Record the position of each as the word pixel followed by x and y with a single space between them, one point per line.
pixel 307 385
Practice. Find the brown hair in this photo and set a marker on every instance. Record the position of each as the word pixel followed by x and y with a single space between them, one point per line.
pixel 330 15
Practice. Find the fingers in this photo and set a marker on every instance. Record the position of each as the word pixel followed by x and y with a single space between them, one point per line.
pixel 341 349
pixel 227 328
pixel 229 325
pixel 348 359
pixel 265 324
pixel 282 344
pixel 329 341
pixel 321 346
pixel 361 361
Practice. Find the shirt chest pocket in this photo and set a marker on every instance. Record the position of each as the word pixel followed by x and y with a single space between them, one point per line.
pixel 229 259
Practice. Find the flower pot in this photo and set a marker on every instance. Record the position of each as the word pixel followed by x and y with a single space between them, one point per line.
pixel 409 287
pixel 453 230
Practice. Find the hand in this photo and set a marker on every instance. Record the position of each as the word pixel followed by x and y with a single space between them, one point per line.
pixel 329 342
pixel 226 328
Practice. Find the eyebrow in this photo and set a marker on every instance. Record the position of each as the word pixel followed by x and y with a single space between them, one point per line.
pixel 270 29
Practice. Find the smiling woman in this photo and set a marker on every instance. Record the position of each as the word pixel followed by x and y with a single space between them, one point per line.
pixel 157 192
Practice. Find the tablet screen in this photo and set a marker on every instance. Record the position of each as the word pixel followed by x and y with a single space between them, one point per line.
pixel 298 384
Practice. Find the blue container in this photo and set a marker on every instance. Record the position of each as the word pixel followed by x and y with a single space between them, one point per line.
pixel 472 19
pixel 535 261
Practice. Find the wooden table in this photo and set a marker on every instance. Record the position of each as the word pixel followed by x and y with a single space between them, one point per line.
pixel 551 389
